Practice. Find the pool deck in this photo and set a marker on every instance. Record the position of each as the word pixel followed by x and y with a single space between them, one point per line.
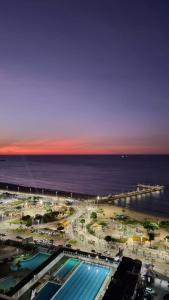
pixel 85 258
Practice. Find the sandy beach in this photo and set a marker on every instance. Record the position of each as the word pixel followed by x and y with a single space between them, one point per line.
pixel 111 210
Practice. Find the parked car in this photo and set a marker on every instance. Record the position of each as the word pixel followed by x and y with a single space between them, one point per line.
pixel 150 291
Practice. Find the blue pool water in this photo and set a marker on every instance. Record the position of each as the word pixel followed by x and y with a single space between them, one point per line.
pixel 7 282
pixel 48 291
pixel 35 261
pixel 67 267
pixel 84 284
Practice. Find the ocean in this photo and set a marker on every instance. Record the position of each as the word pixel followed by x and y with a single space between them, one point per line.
pixel 93 174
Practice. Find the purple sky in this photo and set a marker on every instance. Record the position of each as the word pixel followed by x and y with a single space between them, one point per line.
pixel 84 76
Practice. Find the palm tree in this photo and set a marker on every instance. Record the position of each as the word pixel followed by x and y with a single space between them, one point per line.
pixel 150 227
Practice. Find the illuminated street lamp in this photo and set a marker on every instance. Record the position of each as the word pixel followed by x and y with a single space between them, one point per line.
pixel 166 241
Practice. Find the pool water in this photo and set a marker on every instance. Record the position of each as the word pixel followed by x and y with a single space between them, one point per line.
pixel 68 266
pixel 35 261
pixel 48 291
pixel 7 282
pixel 84 284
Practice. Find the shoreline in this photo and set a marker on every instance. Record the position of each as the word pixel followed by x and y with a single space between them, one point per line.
pixel 13 187
pixel 133 214
pixel 36 191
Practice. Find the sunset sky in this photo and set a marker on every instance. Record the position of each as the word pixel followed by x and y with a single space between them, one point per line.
pixel 84 76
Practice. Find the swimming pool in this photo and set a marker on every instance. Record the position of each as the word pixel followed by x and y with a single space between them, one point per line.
pixel 68 266
pixel 84 284
pixel 48 291
pixel 34 261
pixel 7 282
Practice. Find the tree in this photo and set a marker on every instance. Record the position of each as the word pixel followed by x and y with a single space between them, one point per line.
pixel 26 218
pixel 150 227
pixel 151 236
pixel 29 222
pixel 108 238
pixel 82 221
pixel 93 215
pixel 38 217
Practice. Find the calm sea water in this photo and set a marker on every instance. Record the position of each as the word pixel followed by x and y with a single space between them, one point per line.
pixel 98 175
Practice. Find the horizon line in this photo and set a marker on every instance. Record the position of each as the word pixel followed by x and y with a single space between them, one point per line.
pixel 79 154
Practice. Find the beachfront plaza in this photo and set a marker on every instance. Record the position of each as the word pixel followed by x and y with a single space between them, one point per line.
pixel 92 239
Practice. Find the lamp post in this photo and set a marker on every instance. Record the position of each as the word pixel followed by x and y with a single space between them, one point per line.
pixel 166 241
pixel 38 225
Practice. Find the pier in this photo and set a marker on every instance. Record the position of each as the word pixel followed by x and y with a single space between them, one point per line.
pixel 142 189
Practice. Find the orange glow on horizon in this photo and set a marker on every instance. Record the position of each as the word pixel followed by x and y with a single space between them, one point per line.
pixel 74 146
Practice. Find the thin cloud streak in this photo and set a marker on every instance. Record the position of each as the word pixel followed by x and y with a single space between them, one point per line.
pixel 77 146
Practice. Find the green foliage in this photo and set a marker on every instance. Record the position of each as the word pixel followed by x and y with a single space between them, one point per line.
pixel 71 211
pixel 93 215
pixel 103 223
pixel 26 218
pixel 29 222
pixel 119 240
pixel 72 242
pixel 82 221
pixel 89 229
pixel 16 221
pixel 150 226
pixel 164 224
pixel 50 216
pixel 38 217
pixel 16 202
pixel 132 222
